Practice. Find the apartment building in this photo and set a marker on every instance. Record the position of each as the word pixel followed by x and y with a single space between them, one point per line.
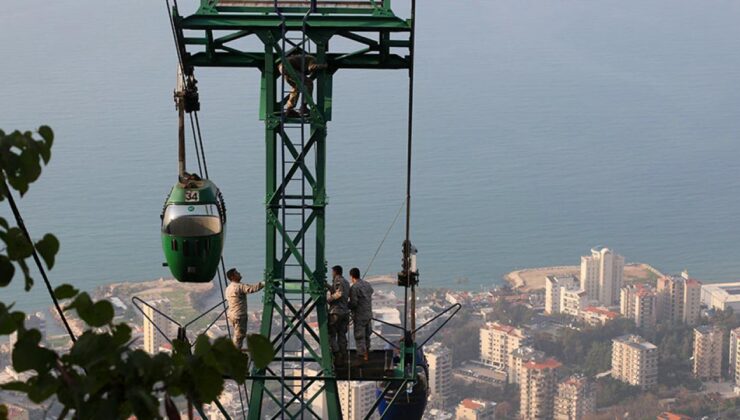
pixel 497 341
pixel 635 361
pixel 678 299
pixel 639 302
pixel 439 359
pixel 537 386
pixel 574 399
pixel 708 346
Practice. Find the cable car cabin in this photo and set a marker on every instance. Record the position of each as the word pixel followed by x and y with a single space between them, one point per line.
pixel 411 401
pixel 193 228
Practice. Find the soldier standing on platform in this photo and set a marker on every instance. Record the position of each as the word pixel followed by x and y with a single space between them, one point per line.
pixel 361 305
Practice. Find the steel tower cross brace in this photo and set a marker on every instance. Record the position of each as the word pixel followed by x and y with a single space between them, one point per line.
pixel 213 36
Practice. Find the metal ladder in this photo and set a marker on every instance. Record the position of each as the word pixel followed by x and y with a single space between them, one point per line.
pixel 294 206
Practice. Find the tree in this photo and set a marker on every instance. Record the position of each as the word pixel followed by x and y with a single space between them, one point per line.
pixel 100 376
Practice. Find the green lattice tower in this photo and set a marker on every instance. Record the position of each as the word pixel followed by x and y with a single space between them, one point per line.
pixel 212 37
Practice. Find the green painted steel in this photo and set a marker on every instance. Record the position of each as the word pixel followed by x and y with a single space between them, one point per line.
pixel 193 230
pixel 216 36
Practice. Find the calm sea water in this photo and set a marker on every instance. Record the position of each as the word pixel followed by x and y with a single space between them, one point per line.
pixel 542 129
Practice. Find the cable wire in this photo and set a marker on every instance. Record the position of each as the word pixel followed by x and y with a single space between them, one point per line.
pixel 22 226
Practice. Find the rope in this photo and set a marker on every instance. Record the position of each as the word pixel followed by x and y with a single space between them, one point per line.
pixel 22 226
pixel 387 232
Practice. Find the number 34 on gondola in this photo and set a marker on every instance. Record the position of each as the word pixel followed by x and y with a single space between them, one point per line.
pixel 192 196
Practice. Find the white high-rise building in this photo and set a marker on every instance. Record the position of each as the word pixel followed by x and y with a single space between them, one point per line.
pixel 554 285
pixel 153 339
pixel 356 399
pixel 601 275
pixel 497 342
pixel 439 358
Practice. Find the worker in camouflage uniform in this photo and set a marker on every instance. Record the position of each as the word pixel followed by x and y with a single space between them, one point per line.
pixel 309 69
pixel 338 301
pixel 236 297
pixel 361 305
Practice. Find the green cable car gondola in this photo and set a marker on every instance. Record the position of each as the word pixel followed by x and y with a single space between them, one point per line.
pixel 193 229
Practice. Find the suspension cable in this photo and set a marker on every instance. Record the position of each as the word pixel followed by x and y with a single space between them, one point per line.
pixel 410 131
pixel 22 226
pixel 198 140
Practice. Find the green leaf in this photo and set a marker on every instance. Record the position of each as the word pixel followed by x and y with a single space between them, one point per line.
pixel 65 291
pixel 18 245
pixel 18 183
pixel 48 247
pixel 208 382
pixel 260 350
pixel 46 133
pixel 121 334
pixel 17 386
pixel 30 166
pixel 29 355
pixel 4 223
pixel 230 360
pixel 42 387
pixel 96 314
pixel 7 271
pixel 3 412
pixel 26 274
pixel 10 321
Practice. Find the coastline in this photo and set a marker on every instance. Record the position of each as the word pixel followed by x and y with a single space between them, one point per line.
pixel 530 279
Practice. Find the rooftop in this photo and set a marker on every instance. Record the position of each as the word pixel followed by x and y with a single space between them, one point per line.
pixel 546 364
pixel 602 311
pixel 636 342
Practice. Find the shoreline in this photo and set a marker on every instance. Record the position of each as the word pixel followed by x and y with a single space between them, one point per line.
pixel 530 279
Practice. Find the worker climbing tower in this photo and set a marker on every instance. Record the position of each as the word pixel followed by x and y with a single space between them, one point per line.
pixel 223 33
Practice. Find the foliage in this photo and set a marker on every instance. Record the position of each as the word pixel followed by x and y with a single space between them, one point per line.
pixel 611 391
pixel 511 313
pixel 101 375
pixel 463 331
pixel 587 350
pixel 21 156
pixel 462 389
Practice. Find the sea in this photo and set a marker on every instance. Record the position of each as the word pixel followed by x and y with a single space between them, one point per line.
pixel 541 129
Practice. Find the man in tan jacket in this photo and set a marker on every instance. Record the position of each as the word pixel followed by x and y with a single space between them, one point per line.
pixel 309 68
pixel 236 297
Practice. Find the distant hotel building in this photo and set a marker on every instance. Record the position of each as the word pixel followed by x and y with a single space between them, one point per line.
pixel 721 296
pixel 678 299
pixel 470 409
pixel 601 275
pixel 575 399
pixel 639 302
pixel 439 359
pixel 537 388
pixel 153 339
pixel 635 361
pixel 497 341
pixel 708 346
